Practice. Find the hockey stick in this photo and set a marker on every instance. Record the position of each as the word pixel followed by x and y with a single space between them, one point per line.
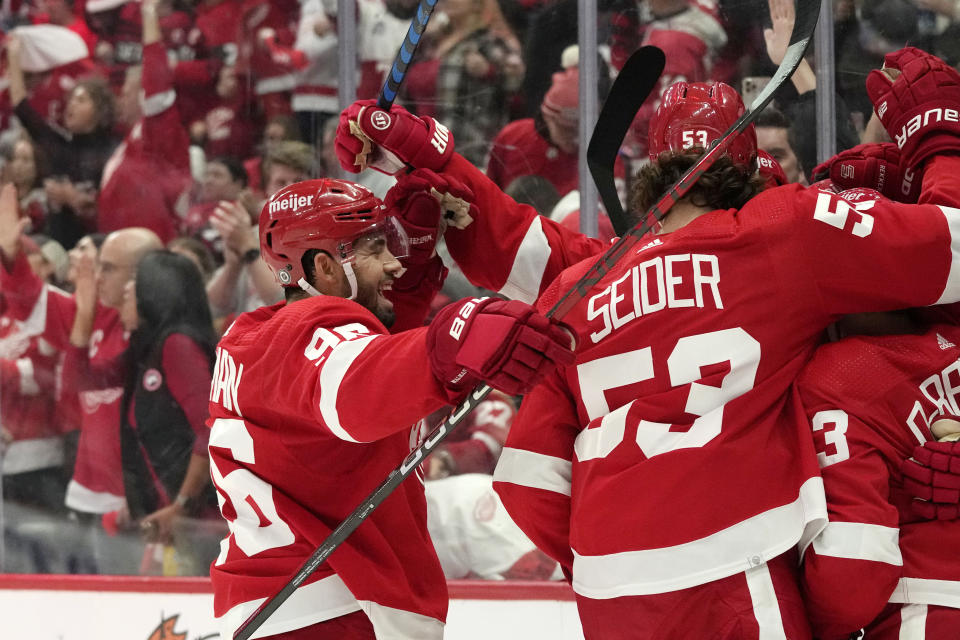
pixel 634 83
pixel 388 93
pixel 807 13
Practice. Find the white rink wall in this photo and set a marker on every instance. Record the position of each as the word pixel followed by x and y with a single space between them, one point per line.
pixel 122 608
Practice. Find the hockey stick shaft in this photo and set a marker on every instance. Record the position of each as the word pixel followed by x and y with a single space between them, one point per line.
pixel 807 13
pixel 636 81
pixel 388 93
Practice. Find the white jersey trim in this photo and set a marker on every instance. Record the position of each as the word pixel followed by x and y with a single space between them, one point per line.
pixel 859 541
pixel 951 291
pixel 83 499
pixel 331 375
pixel 913 622
pixel 159 102
pixel 529 264
pixel 945 593
pixel 766 606
pixel 736 549
pixel 276 84
pixel 321 600
pixel 534 470
pixel 397 624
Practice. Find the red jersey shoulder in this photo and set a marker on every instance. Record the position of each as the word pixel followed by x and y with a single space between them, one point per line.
pixel 862 369
pixel 262 324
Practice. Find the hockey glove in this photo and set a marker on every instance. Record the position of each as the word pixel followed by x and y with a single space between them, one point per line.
pixel 932 476
pixel 507 344
pixel 389 141
pixel 770 170
pixel 920 108
pixel 425 202
pixel 875 166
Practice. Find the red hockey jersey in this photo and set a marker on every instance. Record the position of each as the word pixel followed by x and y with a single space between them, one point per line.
pixel 27 397
pixel 672 453
pixel 97 483
pixel 305 424
pixel 529 250
pixel 870 401
pixel 148 173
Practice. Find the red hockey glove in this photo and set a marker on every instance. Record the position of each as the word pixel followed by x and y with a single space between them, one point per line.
pixel 770 170
pixel 368 136
pixel 932 476
pixel 425 202
pixel 920 109
pixel 508 344
pixel 875 166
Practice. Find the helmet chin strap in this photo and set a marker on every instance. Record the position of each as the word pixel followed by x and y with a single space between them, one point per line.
pixel 351 278
pixel 309 288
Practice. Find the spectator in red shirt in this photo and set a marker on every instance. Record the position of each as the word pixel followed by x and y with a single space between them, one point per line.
pixel 165 373
pixel 224 178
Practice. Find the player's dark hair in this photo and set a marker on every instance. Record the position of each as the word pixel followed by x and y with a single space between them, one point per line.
pixel 723 186
pixel 309 272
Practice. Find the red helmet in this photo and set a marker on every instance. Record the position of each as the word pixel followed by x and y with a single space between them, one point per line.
pixel 693 114
pixel 324 214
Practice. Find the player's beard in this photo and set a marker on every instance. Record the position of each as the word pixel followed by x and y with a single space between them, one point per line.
pixel 371 297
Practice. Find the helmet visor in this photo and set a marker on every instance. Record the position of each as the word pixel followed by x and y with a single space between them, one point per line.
pixel 387 234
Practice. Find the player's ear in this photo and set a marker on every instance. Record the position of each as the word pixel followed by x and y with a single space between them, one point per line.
pixel 327 274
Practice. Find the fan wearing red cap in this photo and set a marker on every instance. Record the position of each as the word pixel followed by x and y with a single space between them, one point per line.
pixel 315 403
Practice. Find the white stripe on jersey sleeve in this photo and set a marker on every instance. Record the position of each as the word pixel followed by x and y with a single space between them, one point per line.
pixel 945 593
pixel 951 291
pixel 534 470
pixel 159 102
pixel 332 372
pixel 859 541
pixel 529 263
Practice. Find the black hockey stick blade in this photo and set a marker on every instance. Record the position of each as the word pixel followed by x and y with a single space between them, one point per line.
pixel 807 13
pixel 633 85
pixel 388 93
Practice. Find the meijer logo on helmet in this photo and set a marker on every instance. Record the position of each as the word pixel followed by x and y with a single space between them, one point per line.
pixel 290 202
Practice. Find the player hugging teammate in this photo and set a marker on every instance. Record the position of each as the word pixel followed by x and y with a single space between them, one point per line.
pixel 686 486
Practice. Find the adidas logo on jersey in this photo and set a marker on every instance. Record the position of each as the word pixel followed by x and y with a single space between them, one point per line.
pixel 944 343
pixel 654 243
pixel 290 202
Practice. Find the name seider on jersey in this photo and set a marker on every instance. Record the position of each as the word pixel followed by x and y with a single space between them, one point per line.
pixel 290 202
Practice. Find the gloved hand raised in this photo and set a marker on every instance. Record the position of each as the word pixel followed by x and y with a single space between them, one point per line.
pixel 876 166
pixel 507 344
pixel 390 141
pixel 426 203
pixel 917 98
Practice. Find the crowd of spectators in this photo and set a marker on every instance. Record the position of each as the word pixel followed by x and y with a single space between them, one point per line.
pixel 141 139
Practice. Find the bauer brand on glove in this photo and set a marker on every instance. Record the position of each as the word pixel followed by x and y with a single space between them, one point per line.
pixel 507 344
pixel 920 107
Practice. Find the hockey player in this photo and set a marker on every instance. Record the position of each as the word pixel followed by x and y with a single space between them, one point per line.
pixel 313 403
pixel 683 376
pixel 870 401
